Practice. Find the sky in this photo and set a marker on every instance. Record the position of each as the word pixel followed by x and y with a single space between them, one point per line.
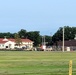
pixel 45 16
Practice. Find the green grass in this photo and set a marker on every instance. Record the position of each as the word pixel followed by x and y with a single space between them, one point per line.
pixel 36 63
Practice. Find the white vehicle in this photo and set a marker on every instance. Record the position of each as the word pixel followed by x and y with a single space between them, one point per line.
pixel 49 48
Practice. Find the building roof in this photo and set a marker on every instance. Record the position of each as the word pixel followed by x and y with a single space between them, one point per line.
pixel 2 42
pixel 26 40
pixel 23 40
pixel 1 39
pixel 67 43
pixel 13 40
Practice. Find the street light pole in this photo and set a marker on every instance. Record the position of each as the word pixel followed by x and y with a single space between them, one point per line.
pixel 63 39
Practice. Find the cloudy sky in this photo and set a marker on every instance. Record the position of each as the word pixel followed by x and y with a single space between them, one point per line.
pixel 45 16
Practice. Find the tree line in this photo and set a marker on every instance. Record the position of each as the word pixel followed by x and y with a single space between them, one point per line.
pixel 70 33
pixel 32 35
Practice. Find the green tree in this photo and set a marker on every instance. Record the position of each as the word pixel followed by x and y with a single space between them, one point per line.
pixel 34 36
pixel 48 40
pixel 22 33
pixel 69 33
pixel 8 35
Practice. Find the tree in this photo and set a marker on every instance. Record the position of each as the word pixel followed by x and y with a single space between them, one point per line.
pixel 22 33
pixel 8 35
pixel 58 35
pixel 34 36
pixel 69 34
pixel 48 40
pixel 17 39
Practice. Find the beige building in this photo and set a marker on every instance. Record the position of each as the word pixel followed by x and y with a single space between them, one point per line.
pixel 11 44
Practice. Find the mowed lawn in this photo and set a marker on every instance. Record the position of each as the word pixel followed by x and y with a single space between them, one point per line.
pixel 36 63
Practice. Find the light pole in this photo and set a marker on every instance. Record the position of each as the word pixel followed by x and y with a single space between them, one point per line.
pixel 63 39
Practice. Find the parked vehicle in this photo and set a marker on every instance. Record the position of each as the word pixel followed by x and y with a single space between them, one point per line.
pixel 49 48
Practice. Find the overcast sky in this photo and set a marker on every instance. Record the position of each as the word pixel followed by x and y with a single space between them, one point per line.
pixel 45 16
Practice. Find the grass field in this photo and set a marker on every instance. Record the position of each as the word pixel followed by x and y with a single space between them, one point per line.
pixel 36 63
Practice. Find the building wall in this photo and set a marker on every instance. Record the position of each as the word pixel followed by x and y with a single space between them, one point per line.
pixel 11 45
pixel 27 44
pixel 2 46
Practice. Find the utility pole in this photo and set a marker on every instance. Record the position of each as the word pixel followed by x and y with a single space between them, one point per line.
pixel 63 39
pixel 44 44
pixel 42 40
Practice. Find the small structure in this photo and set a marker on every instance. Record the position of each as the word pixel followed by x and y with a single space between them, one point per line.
pixel 11 44
pixel 43 47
